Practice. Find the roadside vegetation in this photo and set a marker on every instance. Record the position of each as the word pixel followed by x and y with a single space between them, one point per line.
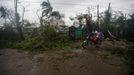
pixel 117 28
pixel 46 38
pixel 123 49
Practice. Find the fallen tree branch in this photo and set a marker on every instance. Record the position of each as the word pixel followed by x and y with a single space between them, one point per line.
pixel 111 35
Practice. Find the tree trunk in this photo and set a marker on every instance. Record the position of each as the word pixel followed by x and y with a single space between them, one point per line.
pixel 20 33
pixel 112 36
pixel 19 28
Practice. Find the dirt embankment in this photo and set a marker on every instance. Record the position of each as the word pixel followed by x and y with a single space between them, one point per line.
pixel 74 62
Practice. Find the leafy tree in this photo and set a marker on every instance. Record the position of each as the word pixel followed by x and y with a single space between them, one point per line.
pixel 56 14
pixel 120 25
pixel 80 18
pixel 130 29
pixel 106 21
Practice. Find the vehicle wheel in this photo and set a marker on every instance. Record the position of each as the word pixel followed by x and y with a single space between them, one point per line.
pixel 85 44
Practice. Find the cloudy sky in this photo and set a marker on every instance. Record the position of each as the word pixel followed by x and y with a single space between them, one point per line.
pixel 70 7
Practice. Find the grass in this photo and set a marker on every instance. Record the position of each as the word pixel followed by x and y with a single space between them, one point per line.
pixel 127 54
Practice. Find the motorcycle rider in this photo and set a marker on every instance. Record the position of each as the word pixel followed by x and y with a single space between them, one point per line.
pixel 94 38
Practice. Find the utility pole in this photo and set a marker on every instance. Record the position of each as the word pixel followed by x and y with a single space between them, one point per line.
pixel 16 12
pixel 108 16
pixel 109 7
pixel 88 10
pixel 125 20
pixel 98 20
pixel 125 27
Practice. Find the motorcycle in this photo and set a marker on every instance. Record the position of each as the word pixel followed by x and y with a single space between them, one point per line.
pixel 93 40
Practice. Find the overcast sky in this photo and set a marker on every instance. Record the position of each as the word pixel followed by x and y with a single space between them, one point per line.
pixel 70 7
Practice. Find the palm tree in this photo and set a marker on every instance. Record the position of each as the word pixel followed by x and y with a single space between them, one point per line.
pixel 47 9
pixel 3 13
pixel 6 14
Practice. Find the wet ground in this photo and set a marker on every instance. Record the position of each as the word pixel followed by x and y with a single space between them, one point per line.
pixel 72 62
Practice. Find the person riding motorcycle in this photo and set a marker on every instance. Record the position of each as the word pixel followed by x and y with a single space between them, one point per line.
pixel 94 37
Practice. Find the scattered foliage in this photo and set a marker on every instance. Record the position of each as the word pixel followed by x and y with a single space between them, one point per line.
pixel 47 38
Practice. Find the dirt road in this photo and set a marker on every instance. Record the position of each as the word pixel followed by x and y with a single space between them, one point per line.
pixel 73 62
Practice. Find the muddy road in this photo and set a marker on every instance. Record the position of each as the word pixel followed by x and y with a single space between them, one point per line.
pixel 72 62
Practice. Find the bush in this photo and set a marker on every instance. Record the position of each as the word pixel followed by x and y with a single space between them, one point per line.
pixel 8 36
pixel 47 38
pixel 129 58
